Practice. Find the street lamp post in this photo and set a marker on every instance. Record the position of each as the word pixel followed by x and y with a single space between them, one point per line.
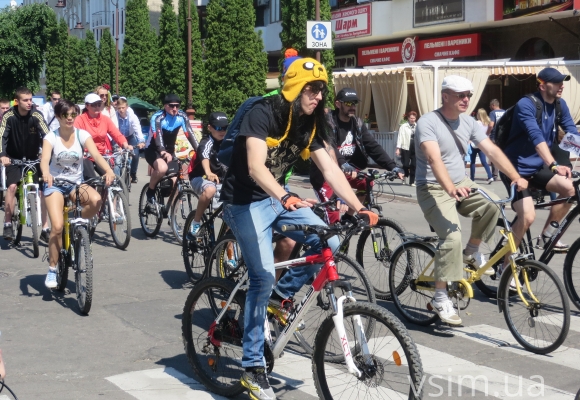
pixel 317 17
pixel 116 4
pixel 190 111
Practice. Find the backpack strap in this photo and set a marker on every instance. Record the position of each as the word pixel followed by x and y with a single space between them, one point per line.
pixel 538 105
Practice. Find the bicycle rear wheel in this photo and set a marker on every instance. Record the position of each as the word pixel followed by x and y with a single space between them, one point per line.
pixel 374 252
pixel 16 224
pixel 411 297
pixel 150 219
pixel 542 325
pixel 34 222
pixel 390 370
pixel 218 366
pixel 182 206
pixel 572 273
pixel 194 251
pixel 120 221
pixel 83 269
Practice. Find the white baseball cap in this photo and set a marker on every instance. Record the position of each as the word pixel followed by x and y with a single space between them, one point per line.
pixel 92 98
pixel 457 83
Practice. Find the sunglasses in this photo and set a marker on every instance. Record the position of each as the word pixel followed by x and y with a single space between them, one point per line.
pixel 173 105
pixel 220 128
pixel 315 89
pixel 104 95
pixel 69 115
pixel 96 104
pixel 55 99
pixel 461 96
pixel 350 103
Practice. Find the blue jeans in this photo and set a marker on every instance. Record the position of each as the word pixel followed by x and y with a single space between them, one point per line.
pixel 133 141
pixel 252 225
pixel 483 159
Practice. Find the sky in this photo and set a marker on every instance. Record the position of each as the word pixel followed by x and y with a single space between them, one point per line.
pixel 4 3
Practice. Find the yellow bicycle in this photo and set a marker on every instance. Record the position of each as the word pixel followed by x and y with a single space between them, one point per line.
pixel 530 295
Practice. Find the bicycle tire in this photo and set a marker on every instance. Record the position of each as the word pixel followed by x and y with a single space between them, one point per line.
pixel 212 293
pixel 83 270
pixel 126 177
pixel 528 324
pixel 61 272
pixel 34 223
pixel 121 182
pixel 488 285
pixel 225 259
pixel 194 252
pixel 180 212
pixel 121 233
pixel 150 229
pixel 570 272
pixel 378 268
pixel 411 301
pixel 16 224
pixel 391 334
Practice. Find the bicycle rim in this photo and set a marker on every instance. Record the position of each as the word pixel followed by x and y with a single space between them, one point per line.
pixel 62 272
pixel 542 325
pixel 572 273
pixel 194 251
pixel 34 223
pixel 391 369
pixel 218 367
pixel 84 270
pixel 375 255
pixel 120 226
pixel 150 220
pixel 225 260
pixel 182 206
pixel 411 297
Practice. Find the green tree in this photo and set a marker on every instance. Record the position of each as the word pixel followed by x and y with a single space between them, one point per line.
pixel 106 68
pixel 55 60
pixel 76 87
pixel 26 33
pixel 295 13
pixel 172 52
pixel 91 64
pixel 138 74
pixel 197 64
pixel 236 64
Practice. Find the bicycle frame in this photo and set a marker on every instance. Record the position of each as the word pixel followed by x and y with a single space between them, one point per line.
pixel 25 186
pixel 327 278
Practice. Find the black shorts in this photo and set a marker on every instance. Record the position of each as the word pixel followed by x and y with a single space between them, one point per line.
pixel 153 155
pixel 14 174
pixel 539 180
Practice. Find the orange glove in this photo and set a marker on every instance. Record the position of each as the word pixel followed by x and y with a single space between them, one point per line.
pixel 289 200
pixel 368 216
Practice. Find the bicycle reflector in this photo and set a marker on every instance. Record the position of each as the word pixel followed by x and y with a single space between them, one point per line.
pixel 397 358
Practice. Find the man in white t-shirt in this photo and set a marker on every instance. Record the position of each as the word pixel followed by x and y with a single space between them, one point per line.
pixel 441 140
pixel 48 111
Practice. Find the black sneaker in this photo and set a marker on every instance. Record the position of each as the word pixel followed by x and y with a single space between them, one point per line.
pixel 45 235
pixel 8 232
pixel 257 384
pixel 133 179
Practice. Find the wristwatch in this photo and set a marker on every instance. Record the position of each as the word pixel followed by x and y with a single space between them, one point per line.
pixel 554 167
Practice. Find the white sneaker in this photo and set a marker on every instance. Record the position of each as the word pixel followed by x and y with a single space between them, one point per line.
pixel 446 312
pixel 477 260
pixel 490 181
pixel 50 281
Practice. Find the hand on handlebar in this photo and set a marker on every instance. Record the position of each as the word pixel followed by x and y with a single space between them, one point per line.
pixel 368 216
pixel 213 177
pixel 141 145
pixel 521 184
pixel 5 161
pixel 564 171
pixel 458 193
pixel 109 177
pixel 341 206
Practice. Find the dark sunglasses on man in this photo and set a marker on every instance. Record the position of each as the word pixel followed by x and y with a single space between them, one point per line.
pixel 173 105
pixel 350 103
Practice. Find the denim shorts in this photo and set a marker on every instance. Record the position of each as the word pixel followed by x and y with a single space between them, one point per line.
pixel 65 189
pixel 198 184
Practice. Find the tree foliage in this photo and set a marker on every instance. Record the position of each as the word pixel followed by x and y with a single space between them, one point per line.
pixel 106 61
pixel 91 61
pixel 295 13
pixel 26 33
pixel 76 87
pixel 55 60
pixel 138 74
pixel 172 52
pixel 197 64
pixel 236 64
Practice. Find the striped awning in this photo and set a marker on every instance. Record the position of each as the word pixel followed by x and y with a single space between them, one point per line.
pixel 513 70
pixel 365 72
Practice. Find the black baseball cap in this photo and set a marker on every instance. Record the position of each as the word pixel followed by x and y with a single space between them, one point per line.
pixel 171 98
pixel 552 75
pixel 347 94
pixel 218 119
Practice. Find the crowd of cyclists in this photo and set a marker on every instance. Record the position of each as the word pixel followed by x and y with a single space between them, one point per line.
pixel 275 133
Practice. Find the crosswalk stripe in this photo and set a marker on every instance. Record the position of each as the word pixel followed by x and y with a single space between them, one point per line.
pixel 498 337
pixel 574 322
pixel 161 383
pixel 500 384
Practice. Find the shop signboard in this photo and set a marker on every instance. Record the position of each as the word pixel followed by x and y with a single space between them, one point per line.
pixel 352 22
pixel 505 9
pixel 411 50
pixel 346 61
pixel 432 12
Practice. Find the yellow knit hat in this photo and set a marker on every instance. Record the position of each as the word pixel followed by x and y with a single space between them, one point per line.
pixel 299 73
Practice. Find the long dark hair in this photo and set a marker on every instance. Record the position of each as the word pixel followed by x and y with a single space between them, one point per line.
pixel 301 125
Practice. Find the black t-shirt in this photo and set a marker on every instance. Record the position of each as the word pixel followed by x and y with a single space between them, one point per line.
pixel 238 186
pixel 207 150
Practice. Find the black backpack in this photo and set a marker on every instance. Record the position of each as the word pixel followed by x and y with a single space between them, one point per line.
pixel 504 125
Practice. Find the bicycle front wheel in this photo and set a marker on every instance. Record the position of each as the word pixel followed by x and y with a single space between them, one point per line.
pixel 83 270
pixel 411 295
pixel 150 217
pixel 194 250
pixel 390 365
pixel 542 324
pixel 120 221
pixel 16 223
pixel 218 366
pixel 182 206
pixel 374 251
pixel 225 259
pixel 572 273
pixel 34 222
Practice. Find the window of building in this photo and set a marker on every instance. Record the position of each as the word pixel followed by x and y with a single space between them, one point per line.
pixel 274 11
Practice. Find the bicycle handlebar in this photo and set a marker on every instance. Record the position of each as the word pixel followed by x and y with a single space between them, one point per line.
pixel 91 181
pixel 322 230
pixel 487 197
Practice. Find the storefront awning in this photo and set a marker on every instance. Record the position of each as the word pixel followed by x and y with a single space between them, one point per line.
pixel 513 70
